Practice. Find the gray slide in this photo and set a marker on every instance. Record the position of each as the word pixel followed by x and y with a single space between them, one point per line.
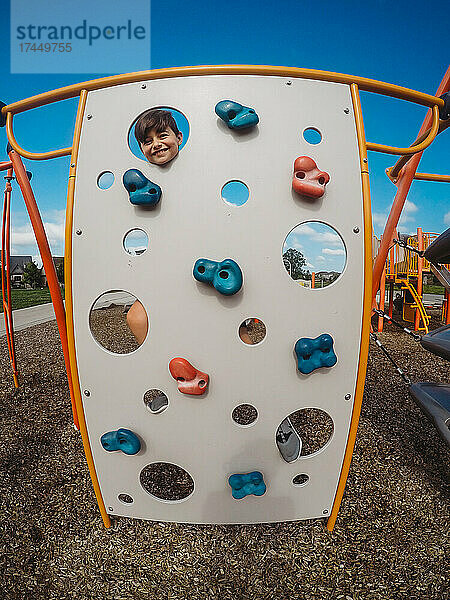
pixel 438 342
pixel 439 250
pixel 434 400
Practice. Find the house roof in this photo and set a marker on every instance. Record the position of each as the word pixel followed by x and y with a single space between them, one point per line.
pixel 17 263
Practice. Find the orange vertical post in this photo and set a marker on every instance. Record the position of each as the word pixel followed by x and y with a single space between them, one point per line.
pixel 419 276
pixel 447 307
pixel 313 279
pixel 6 275
pixel 49 266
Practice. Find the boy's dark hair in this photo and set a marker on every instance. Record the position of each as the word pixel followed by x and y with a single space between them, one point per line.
pixel 154 119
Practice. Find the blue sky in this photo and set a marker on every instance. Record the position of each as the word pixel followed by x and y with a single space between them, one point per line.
pixel 403 42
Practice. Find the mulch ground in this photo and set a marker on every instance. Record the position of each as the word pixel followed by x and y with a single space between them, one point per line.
pixel 391 538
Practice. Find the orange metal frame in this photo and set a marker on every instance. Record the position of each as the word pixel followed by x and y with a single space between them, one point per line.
pixel 432 126
pixel 6 275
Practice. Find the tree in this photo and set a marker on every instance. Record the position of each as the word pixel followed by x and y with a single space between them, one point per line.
pixel 32 275
pixel 294 261
pixel 60 272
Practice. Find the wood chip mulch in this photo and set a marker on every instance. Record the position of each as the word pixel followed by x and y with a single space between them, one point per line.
pixel 390 542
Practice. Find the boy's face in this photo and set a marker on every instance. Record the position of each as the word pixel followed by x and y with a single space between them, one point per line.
pixel 160 148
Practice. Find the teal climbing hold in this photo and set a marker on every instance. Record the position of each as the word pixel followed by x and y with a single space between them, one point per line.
pixel 315 353
pixel 246 484
pixel 141 191
pixel 225 276
pixel 235 115
pixel 123 439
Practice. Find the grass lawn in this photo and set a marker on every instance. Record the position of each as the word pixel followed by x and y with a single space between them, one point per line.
pixel 26 298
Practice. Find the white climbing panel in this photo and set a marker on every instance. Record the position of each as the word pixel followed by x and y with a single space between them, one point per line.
pixel 191 320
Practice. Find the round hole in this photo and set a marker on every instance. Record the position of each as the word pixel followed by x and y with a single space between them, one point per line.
pixel 300 175
pixel 301 479
pixel 125 498
pixel 202 383
pixel 223 274
pixel 156 401
pixel 235 193
pixel 105 180
pixel 312 135
pixel 244 414
pixel 135 242
pixel 252 331
pixel 314 255
pixel 180 120
pixel 166 481
pixel 118 322
pixel 201 269
pixel 321 180
pixel 314 427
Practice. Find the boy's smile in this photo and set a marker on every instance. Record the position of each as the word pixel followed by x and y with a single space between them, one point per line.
pixel 160 148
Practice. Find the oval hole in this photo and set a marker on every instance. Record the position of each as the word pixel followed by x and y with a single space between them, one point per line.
pixel 314 427
pixel 156 401
pixel 314 255
pixel 300 479
pixel 312 135
pixel 252 331
pixel 118 322
pixel 180 120
pixel 125 498
pixel 135 242
pixel 235 193
pixel 166 481
pixel 244 414
pixel 105 180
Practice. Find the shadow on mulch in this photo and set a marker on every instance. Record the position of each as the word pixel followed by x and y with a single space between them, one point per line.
pixel 389 541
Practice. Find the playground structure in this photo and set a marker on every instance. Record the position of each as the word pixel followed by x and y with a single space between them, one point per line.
pixel 325 382
pixel 405 268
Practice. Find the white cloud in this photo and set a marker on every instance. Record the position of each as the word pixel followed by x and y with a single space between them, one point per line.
pixel 447 218
pixel 321 257
pixel 318 236
pixel 309 265
pixel 23 241
pixel 337 252
pixel 379 219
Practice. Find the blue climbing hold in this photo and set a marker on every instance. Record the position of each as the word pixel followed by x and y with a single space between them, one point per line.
pixel 315 353
pixel 122 439
pixel 235 115
pixel 246 484
pixel 141 191
pixel 225 276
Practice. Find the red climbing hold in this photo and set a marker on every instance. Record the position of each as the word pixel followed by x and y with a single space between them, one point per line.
pixel 190 380
pixel 308 180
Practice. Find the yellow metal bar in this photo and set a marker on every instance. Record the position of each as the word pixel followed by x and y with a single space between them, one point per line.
pixel 418 304
pixel 69 308
pixel 394 171
pixel 367 309
pixel 26 153
pixel 432 177
pixel 415 148
pixel 363 83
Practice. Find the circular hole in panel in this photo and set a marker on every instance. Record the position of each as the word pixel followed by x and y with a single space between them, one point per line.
pixel 312 135
pixel 180 120
pixel 235 193
pixel 105 180
pixel 125 498
pixel 118 322
pixel 252 331
pixel 166 481
pixel 244 414
pixel 135 242
pixel 314 427
pixel 314 254
pixel 300 479
pixel 156 401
